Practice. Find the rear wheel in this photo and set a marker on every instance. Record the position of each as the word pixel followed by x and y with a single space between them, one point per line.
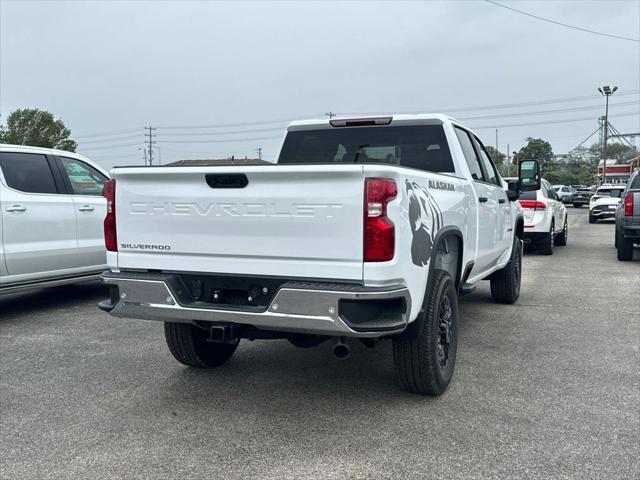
pixel 546 247
pixel 424 364
pixel 188 343
pixel 505 283
pixel 561 239
pixel 624 247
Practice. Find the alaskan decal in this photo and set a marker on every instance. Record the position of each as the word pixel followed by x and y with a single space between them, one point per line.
pixel 425 218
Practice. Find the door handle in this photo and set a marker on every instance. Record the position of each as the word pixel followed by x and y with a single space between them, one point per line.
pixel 16 208
pixel 501 200
pixel 86 208
pixel 483 199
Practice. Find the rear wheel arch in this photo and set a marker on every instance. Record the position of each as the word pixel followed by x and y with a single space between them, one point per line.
pixel 446 255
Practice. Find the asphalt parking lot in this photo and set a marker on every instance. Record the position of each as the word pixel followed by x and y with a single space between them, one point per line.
pixel 546 388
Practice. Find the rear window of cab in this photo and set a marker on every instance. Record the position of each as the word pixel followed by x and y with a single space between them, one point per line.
pixel 423 147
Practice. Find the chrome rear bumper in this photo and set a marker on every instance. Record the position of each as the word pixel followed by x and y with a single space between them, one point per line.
pixel 300 307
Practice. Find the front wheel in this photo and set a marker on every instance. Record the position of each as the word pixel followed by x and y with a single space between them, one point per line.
pixel 577 205
pixel 505 283
pixel 424 364
pixel 592 218
pixel 188 343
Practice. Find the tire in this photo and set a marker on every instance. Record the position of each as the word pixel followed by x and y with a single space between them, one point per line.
pixel 562 237
pixel 592 219
pixel 424 365
pixel 505 283
pixel 577 205
pixel 624 247
pixel 188 344
pixel 546 247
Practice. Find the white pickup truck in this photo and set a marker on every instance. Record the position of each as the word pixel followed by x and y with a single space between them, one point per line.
pixel 366 228
pixel 51 213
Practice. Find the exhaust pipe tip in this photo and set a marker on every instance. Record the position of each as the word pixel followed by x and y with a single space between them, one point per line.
pixel 341 351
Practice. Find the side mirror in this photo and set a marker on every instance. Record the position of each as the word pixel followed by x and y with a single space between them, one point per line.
pixel 513 190
pixel 529 175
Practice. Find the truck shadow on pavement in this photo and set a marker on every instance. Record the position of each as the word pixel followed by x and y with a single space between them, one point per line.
pixel 68 296
pixel 263 375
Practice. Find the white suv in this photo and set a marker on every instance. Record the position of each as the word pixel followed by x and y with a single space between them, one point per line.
pixel 604 202
pixel 545 218
pixel 51 214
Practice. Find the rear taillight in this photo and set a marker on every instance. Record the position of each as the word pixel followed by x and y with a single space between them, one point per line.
pixel 628 205
pixel 379 233
pixel 532 204
pixel 110 237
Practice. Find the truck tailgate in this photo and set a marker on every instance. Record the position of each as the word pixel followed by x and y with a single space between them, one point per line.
pixel 290 221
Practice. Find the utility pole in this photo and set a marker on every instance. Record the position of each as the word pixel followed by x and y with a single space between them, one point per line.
pixel 330 114
pixel 259 150
pixel 508 161
pixel 606 91
pixel 496 139
pixel 150 142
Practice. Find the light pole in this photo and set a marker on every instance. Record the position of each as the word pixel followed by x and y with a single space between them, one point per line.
pixel 605 91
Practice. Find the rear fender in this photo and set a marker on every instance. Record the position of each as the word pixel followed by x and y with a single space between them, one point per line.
pixel 446 256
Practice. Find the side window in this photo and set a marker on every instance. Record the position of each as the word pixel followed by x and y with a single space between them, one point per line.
pixel 85 180
pixel 489 169
pixel 548 191
pixel 469 154
pixel 27 172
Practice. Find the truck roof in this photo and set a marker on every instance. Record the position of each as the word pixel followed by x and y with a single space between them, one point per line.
pixel 405 119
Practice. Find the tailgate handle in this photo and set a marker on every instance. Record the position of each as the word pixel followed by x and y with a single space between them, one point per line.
pixel 226 180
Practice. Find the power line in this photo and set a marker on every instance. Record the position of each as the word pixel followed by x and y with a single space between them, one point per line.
pixel 503 106
pixel 546 112
pixel 582 142
pixel 222 141
pixel 109 140
pixel 107 134
pixel 287 120
pixel 568 120
pixel 229 125
pixel 137 144
pixel 230 132
pixel 563 24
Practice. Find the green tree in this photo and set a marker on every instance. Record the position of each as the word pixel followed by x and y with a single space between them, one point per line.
pixel 619 151
pixel 496 155
pixel 536 149
pixel 37 128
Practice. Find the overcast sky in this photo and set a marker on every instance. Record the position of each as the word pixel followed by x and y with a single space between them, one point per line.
pixel 105 67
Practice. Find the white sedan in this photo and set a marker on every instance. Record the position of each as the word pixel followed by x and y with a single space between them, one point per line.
pixel 604 202
pixel 51 215
pixel 545 219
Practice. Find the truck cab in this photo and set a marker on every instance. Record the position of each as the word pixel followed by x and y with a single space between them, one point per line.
pixel 51 213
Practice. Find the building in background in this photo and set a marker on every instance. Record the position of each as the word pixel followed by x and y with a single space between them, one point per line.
pixel 617 173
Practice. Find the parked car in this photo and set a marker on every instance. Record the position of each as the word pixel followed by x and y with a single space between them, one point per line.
pixel 628 219
pixel 565 193
pixel 51 213
pixel 581 197
pixel 367 229
pixel 545 219
pixel 603 203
